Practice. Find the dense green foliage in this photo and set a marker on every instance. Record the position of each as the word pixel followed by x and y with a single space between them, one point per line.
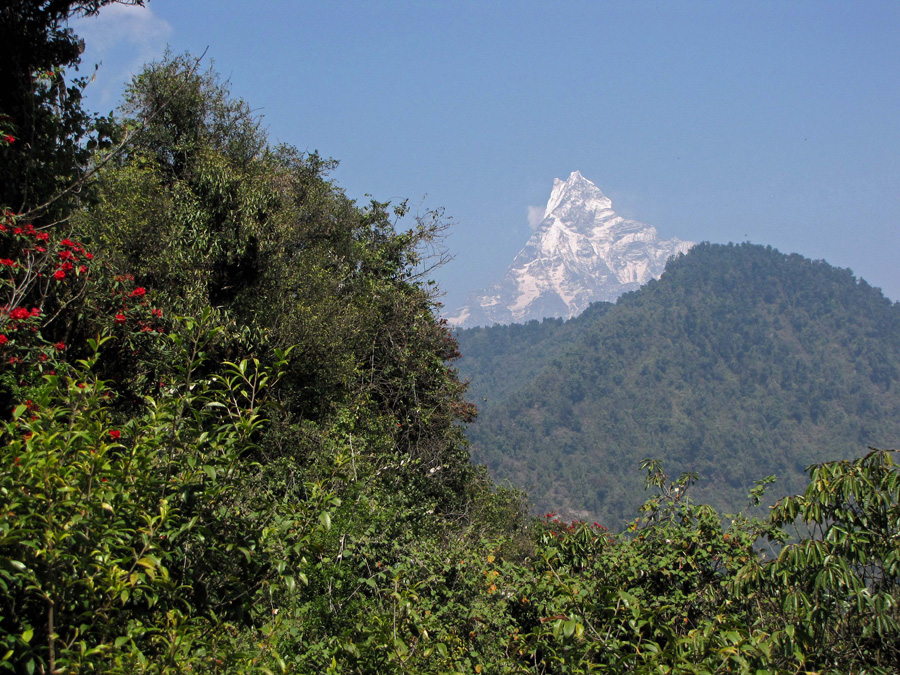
pixel 739 361
pixel 232 442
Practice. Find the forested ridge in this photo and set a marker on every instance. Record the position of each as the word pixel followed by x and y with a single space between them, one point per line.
pixel 739 362
pixel 233 434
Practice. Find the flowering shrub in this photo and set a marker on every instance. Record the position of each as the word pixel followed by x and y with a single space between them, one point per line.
pixel 44 285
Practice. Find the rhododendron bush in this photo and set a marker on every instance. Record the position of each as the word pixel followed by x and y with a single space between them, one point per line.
pixel 51 293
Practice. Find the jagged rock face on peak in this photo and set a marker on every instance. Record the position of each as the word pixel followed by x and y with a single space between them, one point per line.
pixel 582 252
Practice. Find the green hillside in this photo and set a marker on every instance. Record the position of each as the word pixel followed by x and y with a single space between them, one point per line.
pixel 738 363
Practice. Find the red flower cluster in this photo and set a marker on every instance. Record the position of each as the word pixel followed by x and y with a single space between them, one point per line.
pixel 123 283
pixel 27 230
pixel 19 313
pixel 68 255
pixel 115 434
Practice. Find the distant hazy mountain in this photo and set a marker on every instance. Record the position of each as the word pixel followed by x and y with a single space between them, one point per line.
pixel 739 362
pixel 582 252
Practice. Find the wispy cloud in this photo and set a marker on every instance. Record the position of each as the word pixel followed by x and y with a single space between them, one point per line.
pixel 121 38
pixel 535 216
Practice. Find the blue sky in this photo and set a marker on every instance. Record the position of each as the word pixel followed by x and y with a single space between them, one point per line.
pixel 771 122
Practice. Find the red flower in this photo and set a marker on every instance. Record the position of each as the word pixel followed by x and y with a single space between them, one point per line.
pixel 35 311
pixel 82 269
pixel 157 313
pixel 9 139
pixel 120 318
pixel 66 255
pixel 40 249
pixel 115 434
pixel 43 357
pixel 67 242
pixel 42 236
pixel 59 275
pixel 8 263
pixel 138 292
pixel 60 346
pixel 19 313
pixel 3 339
pixel 88 255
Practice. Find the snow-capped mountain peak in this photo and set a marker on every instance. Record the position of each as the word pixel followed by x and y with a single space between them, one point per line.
pixel 580 253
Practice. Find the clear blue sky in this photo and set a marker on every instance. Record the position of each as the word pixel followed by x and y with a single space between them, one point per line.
pixel 773 122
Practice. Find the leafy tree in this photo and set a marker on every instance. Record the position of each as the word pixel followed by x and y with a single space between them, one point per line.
pixel 830 599
pixel 47 137
pixel 204 212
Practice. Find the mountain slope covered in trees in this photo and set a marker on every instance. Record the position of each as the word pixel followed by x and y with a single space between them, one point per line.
pixel 738 363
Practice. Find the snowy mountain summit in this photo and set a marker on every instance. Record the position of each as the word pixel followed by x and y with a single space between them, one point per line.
pixel 580 253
